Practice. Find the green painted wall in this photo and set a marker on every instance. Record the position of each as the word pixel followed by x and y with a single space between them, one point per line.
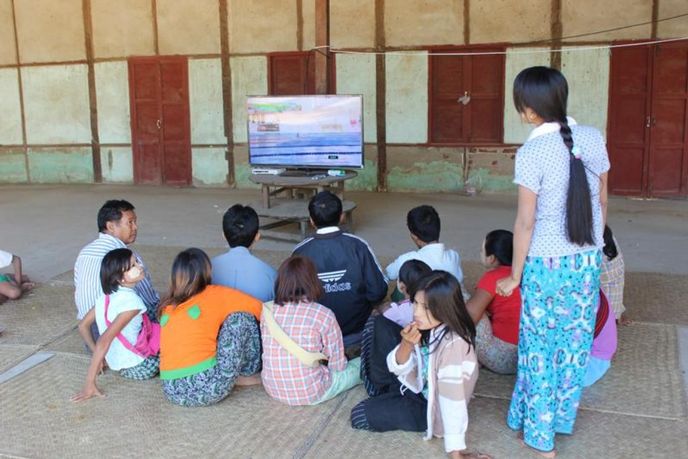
pixel 61 165
pixel 117 164
pixel 367 177
pixel 426 176
pixel 13 167
pixel 209 166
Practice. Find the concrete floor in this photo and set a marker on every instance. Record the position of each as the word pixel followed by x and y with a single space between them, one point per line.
pixel 47 226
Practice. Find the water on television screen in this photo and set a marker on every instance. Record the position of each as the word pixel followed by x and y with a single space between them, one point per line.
pixel 305 131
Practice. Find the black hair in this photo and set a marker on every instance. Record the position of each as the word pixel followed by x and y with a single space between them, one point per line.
pixel 411 272
pixel 424 223
pixel 545 91
pixel 445 302
pixel 609 249
pixel 115 263
pixel 325 209
pixel 191 274
pixel 500 243
pixel 112 212
pixel 240 225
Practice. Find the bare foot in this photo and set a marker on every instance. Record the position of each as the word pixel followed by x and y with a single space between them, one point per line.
pixel 474 455
pixel 548 454
pixel 624 321
pixel 252 380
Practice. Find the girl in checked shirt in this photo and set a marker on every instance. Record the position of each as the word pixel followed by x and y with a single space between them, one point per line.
pixel 313 328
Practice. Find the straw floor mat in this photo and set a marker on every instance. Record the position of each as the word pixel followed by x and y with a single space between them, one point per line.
pixel 637 410
pixel 596 435
pixel 44 314
pixel 644 378
pixel 11 354
pixel 44 423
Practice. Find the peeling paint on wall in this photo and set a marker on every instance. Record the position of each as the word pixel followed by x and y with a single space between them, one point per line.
pixel 56 104
pixel 356 75
pixel 430 22
pixel 10 109
pixel 205 100
pixel 209 166
pixel 426 176
pixel 367 177
pixel 242 169
pixel 117 164
pixel 407 98
pixel 249 78
pixel 61 165
pixel 588 76
pixel 517 59
pixel 112 96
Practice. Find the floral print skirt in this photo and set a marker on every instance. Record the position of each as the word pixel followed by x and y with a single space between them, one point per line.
pixel 560 300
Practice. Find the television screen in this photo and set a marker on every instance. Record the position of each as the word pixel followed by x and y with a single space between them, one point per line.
pixel 323 131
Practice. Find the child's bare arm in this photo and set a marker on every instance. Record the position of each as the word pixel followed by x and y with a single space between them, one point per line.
pixel 85 328
pixel 410 336
pixel 102 346
pixel 17 265
pixel 478 303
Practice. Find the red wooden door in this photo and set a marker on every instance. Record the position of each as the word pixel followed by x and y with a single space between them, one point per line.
pixel 466 98
pixel 648 120
pixel 668 165
pixel 629 123
pixel 447 84
pixel 293 73
pixel 160 124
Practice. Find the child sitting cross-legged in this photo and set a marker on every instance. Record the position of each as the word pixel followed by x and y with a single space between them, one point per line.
pixel 437 366
pixel 352 279
pixel 496 317
pixel 424 225
pixel 13 286
pixel 119 315
pixel 210 341
pixel 303 351
pixel 381 332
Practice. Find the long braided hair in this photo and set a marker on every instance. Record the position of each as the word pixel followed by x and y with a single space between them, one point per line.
pixel 545 91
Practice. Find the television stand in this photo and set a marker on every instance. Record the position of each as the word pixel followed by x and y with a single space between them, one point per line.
pixel 303 173
pixel 285 199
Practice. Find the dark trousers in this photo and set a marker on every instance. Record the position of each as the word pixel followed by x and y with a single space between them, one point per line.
pixel 391 411
pixel 380 335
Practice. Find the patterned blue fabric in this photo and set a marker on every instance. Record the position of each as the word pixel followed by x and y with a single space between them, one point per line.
pixel 560 300
pixel 147 369
pixel 238 354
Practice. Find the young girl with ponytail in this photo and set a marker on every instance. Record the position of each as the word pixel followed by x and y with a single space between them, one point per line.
pixel 561 173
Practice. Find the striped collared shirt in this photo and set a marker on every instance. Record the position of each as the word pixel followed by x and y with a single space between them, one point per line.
pixel 87 276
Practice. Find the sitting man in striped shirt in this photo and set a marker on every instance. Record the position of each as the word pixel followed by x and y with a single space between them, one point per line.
pixel 117 227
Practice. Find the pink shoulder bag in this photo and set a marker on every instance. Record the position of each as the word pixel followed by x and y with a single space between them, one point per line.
pixel 148 341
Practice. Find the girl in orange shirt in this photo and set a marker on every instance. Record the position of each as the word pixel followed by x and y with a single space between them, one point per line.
pixel 210 340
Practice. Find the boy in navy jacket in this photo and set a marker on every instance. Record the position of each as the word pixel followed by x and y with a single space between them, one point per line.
pixel 352 278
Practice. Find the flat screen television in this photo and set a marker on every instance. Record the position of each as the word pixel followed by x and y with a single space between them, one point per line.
pixel 313 132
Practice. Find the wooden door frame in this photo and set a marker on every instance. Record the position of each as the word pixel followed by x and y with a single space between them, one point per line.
pixel 131 61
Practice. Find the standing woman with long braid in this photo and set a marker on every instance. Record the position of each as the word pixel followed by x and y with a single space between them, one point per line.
pixel 561 173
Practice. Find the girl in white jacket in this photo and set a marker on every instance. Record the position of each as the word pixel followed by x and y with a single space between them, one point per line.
pixel 438 369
